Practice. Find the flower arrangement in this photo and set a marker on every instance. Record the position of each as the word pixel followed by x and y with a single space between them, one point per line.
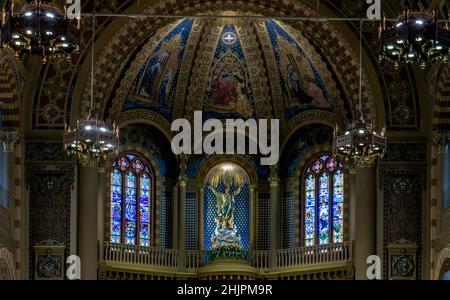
pixel 228 252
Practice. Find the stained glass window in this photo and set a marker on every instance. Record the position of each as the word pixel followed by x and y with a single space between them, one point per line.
pixel 131 190
pixel 324 202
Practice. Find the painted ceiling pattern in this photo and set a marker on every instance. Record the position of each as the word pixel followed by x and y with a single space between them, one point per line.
pixel 232 74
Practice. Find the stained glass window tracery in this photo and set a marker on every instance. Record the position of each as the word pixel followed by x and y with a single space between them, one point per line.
pixel 131 190
pixel 323 202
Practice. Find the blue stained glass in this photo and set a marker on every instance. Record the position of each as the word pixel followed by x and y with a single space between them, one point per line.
pixel 144 211
pixel 323 209
pixel 310 211
pixel 338 195
pixel 130 209
pixel 116 206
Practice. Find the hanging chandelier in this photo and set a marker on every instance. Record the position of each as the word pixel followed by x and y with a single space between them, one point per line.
pixel 93 140
pixel 40 28
pixel 416 37
pixel 359 145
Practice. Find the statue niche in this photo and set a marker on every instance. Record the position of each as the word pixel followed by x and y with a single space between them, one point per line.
pixel 226 186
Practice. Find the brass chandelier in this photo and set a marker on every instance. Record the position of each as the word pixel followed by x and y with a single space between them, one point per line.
pixel 359 145
pixel 39 28
pixel 93 140
pixel 416 37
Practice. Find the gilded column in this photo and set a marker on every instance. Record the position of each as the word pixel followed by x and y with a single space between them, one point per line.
pixel 175 220
pixel 87 225
pixel 253 216
pixel 274 215
pixel 182 181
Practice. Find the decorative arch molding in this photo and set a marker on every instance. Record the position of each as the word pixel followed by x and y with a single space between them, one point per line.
pixel 309 155
pixel 443 258
pixel 10 87
pixel 306 118
pixel 325 35
pixel 6 265
pixel 441 115
pixel 147 117
pixel 155 205
pixel 218 159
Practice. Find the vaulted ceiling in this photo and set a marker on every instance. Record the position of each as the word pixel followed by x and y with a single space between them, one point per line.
pixel 259 61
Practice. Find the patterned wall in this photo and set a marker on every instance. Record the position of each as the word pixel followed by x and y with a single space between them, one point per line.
pixel 166 216
pixel 191 221
pixel 403 174
pixel 288 220
pixel 263 222
pixel 50 192
pixel 50 179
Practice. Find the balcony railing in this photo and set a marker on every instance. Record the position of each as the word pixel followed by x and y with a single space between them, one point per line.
pixel 260 260
pixel 158 257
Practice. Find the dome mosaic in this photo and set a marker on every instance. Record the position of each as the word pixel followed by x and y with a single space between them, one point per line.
pixel 230 68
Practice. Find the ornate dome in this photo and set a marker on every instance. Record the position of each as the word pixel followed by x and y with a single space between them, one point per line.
pixel 229 68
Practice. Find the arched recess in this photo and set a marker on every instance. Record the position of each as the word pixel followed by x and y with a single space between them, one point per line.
pixel 6 265
pixel 151 145
pixel 245 212
pixel 324 201
pixel 155 182
pixel 148 117
pixel 324 35
pixel 306 142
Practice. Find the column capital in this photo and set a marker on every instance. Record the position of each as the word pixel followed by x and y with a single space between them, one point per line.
pixel 274 178
pixel 9 140
pixel 441 141
pixel 182 180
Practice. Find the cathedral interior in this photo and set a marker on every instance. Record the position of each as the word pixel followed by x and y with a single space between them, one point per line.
pixel 89 178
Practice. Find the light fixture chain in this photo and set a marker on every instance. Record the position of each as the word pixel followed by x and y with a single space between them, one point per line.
pixel 92 64
pixel 360 65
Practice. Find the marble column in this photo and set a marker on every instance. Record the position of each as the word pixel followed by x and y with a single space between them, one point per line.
pixel 364 218
pixel 87 221
pixel 274 216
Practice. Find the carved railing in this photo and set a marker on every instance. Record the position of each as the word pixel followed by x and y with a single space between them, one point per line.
pixel 260 260
pixel 167 258
pixel 324 254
